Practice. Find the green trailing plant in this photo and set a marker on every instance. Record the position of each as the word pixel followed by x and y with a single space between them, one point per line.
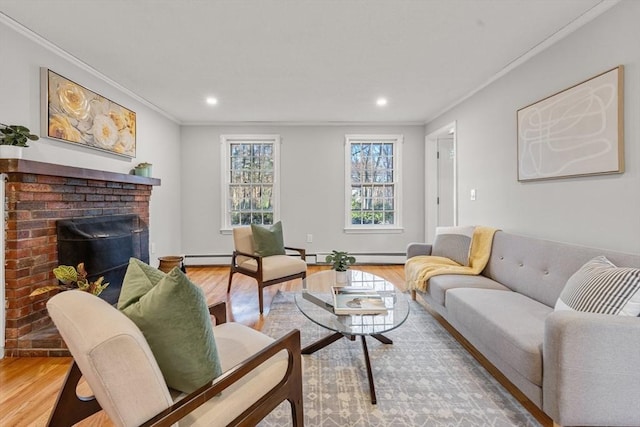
pixel 72 278
pixel 340 260
pixel 16 135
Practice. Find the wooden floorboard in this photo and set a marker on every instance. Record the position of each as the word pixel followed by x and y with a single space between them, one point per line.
pixel 29 386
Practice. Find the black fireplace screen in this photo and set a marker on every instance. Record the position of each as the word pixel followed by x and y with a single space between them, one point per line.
pixel 105 245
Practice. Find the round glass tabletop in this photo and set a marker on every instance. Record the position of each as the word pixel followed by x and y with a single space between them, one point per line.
pixel 315 301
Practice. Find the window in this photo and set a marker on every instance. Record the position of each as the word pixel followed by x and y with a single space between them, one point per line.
pixel 373 182
pixel 251 179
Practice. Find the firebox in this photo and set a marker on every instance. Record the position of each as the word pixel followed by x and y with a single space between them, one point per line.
pixel 104 244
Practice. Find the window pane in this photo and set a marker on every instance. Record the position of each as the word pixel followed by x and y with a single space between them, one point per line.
pixel 371 174
pixel 251 180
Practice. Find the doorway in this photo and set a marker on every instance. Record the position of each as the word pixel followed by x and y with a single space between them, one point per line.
pixel 440 180
pixel 444 196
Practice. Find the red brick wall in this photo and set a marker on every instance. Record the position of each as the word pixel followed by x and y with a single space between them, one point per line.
pixel 34 202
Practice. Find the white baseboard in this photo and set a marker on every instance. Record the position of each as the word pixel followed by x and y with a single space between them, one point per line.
pixel 312 259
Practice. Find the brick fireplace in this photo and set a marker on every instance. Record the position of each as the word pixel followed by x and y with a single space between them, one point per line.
pixel 36 196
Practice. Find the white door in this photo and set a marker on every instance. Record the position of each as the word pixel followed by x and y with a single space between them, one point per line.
pixel 440 201
pixel 444 198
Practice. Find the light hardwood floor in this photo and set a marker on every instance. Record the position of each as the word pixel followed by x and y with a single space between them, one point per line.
pixel 29 386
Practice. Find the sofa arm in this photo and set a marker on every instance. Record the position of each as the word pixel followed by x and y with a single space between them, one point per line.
pixel 591 374
pixel 415 249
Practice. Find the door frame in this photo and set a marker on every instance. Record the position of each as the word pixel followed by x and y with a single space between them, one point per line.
pixel 431 179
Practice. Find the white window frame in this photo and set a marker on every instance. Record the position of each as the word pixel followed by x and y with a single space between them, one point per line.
pixel 225 169
pixel 397 141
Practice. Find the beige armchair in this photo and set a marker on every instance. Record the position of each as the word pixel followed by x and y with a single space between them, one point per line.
pixel 113 356
pixel 268 270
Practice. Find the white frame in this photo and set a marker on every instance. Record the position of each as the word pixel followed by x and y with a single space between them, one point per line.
pixel 431 179
pixel 225 153
pixel 397 141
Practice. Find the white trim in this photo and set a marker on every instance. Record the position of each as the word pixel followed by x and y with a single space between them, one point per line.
pixel 302 123
pixel 225 153
pixel 563 32
pixel 397 140
pixel 429 176
pixel 19 28
pixel 374 230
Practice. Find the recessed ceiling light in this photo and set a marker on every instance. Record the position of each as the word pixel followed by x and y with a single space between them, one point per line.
pixel 212 100
pixel 381 102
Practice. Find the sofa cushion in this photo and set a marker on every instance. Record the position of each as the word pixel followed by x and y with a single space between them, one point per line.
pixel 453 243
pixel 173 316
pixel 439 285
pixel 509 323
pixel 600 287
pixel 268 241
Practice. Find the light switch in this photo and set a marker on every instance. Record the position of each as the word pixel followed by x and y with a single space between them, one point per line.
pixel 473 194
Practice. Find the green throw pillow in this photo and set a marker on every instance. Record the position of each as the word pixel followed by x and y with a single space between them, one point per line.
pixel 268 241
pixel 140 278
pixel 172 314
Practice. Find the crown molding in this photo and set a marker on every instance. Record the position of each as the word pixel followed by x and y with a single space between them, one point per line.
pixel 38 39
pixel 563 32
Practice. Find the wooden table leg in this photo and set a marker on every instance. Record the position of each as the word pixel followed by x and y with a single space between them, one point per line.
pixel 322 343
pixel 372 388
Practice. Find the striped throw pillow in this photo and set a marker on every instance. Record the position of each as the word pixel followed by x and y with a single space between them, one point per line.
pixel 601 287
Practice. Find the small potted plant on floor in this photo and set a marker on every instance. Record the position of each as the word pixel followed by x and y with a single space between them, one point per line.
pixel 12 139
pixel 340 262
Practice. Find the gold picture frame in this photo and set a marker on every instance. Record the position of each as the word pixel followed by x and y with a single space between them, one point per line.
pixel 74 114
pixel 576 132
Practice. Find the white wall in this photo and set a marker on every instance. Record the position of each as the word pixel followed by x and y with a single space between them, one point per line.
pixel 600 211
pixel 312 188
pixel 158 137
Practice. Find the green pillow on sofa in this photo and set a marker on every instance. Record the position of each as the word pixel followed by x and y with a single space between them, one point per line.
pixel 173 315
pixel 268 241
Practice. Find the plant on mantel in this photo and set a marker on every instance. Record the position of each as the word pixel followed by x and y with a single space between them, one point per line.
pixel 72 278
pixel 16 135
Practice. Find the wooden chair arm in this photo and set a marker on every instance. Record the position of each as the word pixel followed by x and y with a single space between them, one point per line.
pixel 259 409
pixel 301 251
pixel 219 311
pixel 254 256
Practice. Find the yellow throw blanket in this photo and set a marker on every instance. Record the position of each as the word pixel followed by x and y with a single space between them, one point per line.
pixel 418 270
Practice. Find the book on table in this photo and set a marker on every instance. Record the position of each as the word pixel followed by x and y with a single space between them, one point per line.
pixel 357 300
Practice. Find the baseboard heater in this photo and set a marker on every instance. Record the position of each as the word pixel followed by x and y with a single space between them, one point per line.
pixel 361 258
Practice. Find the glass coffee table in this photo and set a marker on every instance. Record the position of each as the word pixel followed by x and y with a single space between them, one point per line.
pixel 315 301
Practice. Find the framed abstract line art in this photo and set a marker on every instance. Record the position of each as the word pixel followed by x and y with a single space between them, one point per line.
pixel 575 132
pixel 77 115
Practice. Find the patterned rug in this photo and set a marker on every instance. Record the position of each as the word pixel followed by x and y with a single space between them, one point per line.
pixel 425 378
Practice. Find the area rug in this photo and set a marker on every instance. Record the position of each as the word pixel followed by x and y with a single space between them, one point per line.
pixel 425 378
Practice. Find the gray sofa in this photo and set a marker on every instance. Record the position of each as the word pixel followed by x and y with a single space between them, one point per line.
pixel 579 368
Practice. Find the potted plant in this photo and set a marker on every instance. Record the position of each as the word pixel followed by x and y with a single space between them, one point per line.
pixel 340 262
pixel 72 278
pixel 13 138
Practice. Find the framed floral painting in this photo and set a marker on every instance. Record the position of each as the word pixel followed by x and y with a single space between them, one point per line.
pixel 77 115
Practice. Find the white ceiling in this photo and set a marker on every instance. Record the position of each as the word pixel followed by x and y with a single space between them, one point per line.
pixel 303 61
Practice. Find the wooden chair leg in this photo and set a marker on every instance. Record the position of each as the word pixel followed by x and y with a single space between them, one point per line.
pixel 260 297
pixel 230 278
pixel 69 408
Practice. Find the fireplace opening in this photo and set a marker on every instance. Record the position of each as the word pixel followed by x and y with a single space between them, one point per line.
pixel 105 245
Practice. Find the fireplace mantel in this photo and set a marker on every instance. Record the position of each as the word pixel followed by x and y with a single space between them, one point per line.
pixel 41 168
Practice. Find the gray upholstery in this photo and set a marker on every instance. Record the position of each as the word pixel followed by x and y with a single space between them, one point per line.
pixel 508 322
pixel 440 285
pixel 579 368
pixel 538 268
